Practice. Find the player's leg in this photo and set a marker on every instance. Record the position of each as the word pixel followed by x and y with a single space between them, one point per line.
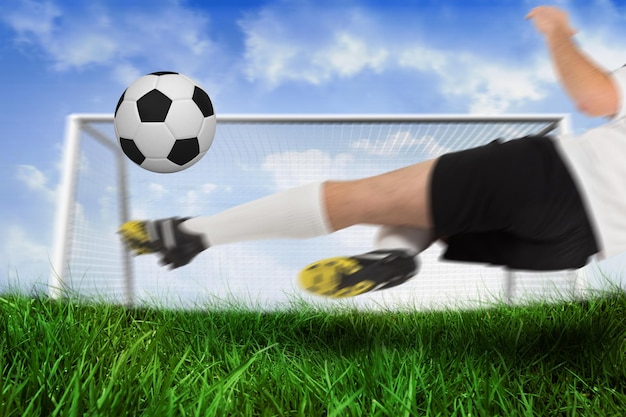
pixel 400 201
pixel 398 198
pixel 295 213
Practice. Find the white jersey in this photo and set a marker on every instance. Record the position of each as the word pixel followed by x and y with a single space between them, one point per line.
pixel 597 161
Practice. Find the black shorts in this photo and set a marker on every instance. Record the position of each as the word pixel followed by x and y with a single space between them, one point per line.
pixel 511 203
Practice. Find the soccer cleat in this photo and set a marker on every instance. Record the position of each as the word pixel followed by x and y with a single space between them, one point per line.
pixel 349 276
pixel 175 247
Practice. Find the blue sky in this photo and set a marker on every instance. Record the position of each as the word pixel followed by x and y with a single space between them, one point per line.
pixel 287 56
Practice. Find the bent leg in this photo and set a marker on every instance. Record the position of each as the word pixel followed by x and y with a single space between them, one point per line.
pixel 410 239
pixel 400 202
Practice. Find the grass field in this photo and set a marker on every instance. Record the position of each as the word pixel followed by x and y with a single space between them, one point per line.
pixel 67 358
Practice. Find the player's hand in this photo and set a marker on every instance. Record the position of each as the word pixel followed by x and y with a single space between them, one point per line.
pixel 551 21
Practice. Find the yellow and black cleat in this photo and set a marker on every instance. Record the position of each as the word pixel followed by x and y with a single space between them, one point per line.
pixel 135 236
pixel 163 237
pixel 342 277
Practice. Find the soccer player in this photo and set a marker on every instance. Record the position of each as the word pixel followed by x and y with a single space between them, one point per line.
pixel 534 203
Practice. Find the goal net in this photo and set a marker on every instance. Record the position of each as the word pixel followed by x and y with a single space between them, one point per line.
pixel 253 156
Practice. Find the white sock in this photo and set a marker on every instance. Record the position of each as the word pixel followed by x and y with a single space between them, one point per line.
pixel 297 213
pixel 410 239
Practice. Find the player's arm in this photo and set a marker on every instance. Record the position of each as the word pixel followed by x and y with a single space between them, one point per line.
pixel 590 87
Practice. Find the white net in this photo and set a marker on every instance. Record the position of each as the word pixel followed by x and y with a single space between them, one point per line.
pixel 255 156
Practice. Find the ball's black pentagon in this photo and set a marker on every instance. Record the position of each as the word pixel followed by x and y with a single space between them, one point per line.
pixel 184 150
pixel 132 151
pixel 162 73
pixel 202 100
pixel 153 106
pixel 119 103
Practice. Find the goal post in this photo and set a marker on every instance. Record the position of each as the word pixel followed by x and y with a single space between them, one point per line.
pixel 252 155
pixel 78 125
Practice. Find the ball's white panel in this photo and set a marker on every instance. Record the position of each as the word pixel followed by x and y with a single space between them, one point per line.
pixel 207 133
pixel 175 86
pixel 140 87
pixel 154 140
pixel 127 120
pixel 191 80
pixel 161 165
pixel 184 119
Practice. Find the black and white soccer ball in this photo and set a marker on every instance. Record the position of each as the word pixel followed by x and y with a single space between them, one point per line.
pixel 164 122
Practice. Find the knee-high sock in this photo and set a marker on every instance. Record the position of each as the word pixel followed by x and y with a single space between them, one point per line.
pixel 411 239
pixel 297 213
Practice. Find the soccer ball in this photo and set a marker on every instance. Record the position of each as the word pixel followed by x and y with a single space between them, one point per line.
pixel 164 122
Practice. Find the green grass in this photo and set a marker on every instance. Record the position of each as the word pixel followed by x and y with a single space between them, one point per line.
pixel 68 358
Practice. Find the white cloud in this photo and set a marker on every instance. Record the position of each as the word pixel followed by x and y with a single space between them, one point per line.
pixel 349 55
pixel 126 73
pixel 21 247
pixel 291 169
pixel 27 259
pixel 31 176
pixel 279 50
pixel 606 50
pixel 209 188
pixel 157 191
pixel 36 181
pixel 397 142
pixel 92 34
pixel 288 42
pixel 38 21
pixel 344 56
pixel 489 87
pixel 310 45
pixel 198 200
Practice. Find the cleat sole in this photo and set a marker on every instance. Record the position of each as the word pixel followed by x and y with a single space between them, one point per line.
pixel 326 278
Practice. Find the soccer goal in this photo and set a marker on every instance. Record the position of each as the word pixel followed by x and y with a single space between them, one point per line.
pixel 252 156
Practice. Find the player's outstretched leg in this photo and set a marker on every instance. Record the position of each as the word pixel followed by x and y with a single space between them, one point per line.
pixel 349 276
pixel 397 198
pixel 163 237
